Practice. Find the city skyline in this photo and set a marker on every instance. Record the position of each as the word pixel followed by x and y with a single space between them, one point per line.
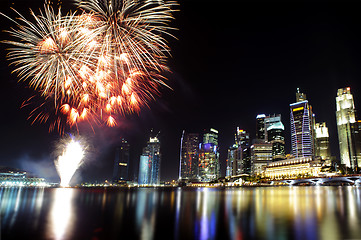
pixel 225 71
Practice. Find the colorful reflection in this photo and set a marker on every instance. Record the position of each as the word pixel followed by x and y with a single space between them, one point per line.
pixel 293 213
pixel 14 201
pixel 197 214
pixel 146 206
pixel 205 213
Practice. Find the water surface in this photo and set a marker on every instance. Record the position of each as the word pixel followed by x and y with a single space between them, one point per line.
pixel 317 212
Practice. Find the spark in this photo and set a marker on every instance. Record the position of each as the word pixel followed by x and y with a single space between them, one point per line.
pixel 72 154
pixel 107 58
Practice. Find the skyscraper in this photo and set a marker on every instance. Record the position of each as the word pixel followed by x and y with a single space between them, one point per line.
pixel 347 128
pixel 275 134
pixel 239 158
pixel 233 157
pixel 263 122
pixel 149 165
pixel 302 131
pixel 261 155
pixel 260 126
pixel 322 141
pixel 144 170
pixel 269 121
pixel 189 156
pixel 209 168
pixel 243 160
pixel 121 162
pixel 242 138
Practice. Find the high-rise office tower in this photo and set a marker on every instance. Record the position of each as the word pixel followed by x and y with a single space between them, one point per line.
pixel 189 156
pixel 302 127
pixel 208 165
pixel 239 158
pixel 347 128
pixel 322 141
pixel 232 159
pixel 261 155
pixel 269 121
pixel 149 166
pixel 356 131
pixel 244 153
pixel 260 126
pixel 121 162
pixel 275 134
pixel 246 161
pixel 144 170
pixel 264 122
pixel 242 138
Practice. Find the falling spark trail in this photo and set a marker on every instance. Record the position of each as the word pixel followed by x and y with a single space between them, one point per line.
pixel 106 59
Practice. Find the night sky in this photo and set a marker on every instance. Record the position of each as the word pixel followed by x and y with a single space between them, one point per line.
pixel 232 61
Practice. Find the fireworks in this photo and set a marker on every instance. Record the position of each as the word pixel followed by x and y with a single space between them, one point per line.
pixel 93 66
pixel 71 157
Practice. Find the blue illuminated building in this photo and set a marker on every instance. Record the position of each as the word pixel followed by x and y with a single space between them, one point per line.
pixel 149 165
pixel 144 170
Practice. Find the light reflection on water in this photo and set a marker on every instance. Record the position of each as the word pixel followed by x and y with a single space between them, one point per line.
pixel 61 214
pixel 235 213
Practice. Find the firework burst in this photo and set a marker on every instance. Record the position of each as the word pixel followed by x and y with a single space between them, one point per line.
pixel 71 153
pixel 107 60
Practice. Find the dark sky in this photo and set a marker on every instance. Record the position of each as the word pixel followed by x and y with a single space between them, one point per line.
pixel 232 61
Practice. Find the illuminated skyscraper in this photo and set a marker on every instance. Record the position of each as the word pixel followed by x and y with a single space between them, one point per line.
pixel 242 138
pixel 244 153
pixel 233 159
pixel 209 168
pixel 260 127
pixel 302 131
pixel 149 166
pixel 275 134
pixel 121 162
pixel 322 141
pixel 144 170
pixel 261 155
pixel 264 122
pixel 348 129
pixel 239 157
pixel 269 121
pixel 189 156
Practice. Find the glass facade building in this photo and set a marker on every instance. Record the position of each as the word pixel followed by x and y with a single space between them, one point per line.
pixel 144 170
pixel 322 141
pixel 121 162
pixel 275 134
pixel 244 153
pixel 239 157
pixel 232 160
pixel 149 165
pixel 189 156
pixel 260 126
pixel 242 138
pixel 261 155
pixel 269 121
pixel 208 165
pixel 302 128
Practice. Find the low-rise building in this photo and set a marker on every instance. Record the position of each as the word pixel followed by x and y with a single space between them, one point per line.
pixel 293 168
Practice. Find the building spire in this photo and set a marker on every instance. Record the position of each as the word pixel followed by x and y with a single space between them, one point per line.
pixel 300 97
